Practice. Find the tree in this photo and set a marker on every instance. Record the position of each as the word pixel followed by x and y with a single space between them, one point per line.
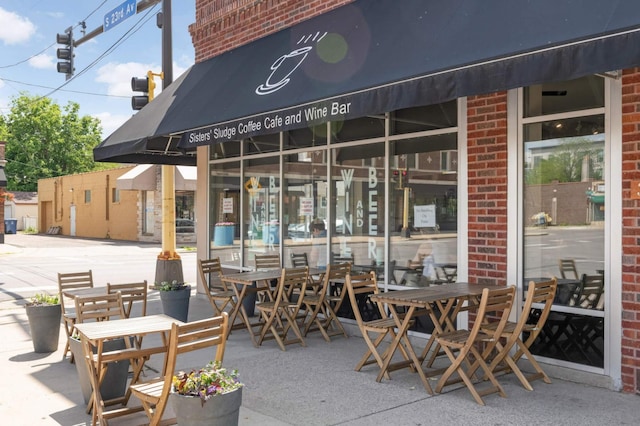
pixel 45 140
pixel 566 163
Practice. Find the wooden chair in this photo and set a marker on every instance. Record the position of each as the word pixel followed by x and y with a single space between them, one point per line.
pixel 99 308
pixel 220 296
pixel 375 331
pixel 266 290
pixel 531 322
pixel 323 303
pixel 591 291
pixel 299 260
pixel 132 293
pixel 280 315
pixel 103 307
pixel 337 258
pixel 195 335
pixel 71 281
pixel 568 267
pixel 472 348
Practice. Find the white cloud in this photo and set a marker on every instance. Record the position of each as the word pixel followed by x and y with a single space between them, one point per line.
pixel 55 14
pixel 110 122
pixel 42 61
pixel 14 28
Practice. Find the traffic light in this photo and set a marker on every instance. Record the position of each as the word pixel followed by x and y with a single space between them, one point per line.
pixel 66 53
pixel 146 85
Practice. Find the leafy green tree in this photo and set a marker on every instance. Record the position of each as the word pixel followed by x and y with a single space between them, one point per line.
pixel 45 140
pixel 566 163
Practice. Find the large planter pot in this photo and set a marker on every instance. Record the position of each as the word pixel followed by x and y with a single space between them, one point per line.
pixel 44 323
pixel 271 234
pixel 220 410
pixel 223 235
pixel 176 303
pixel 114 384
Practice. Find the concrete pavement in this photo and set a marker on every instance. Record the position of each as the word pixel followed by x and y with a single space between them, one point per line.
pixel 313 385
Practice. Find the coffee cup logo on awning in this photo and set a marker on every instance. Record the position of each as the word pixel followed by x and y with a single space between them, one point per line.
pixel 285 65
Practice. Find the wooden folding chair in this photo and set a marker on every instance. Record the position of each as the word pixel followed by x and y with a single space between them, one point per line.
pixel 132 293
pixel 568 267
pixel 71 281
pixel 103 307
pixel 472 348
pixel 299 260
pixel 279 316
pixel 365 285
pixel 323 303
pixel 531 322
pixel 195 335
pixel 266 289
pixel 220 296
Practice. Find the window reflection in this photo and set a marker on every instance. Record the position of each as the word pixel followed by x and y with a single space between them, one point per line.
pixel 563 208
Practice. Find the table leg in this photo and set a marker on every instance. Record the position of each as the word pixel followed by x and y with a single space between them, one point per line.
pixel 401 340
pixel 240 310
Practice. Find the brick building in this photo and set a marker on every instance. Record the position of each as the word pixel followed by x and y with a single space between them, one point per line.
pixel 422 125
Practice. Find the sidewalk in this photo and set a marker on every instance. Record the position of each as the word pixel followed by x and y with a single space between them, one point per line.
pixel 313 385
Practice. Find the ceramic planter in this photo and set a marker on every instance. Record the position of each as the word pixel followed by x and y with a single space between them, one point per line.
pixel 44 323
pixel 114 384
pixel 175 303
pixel 220 410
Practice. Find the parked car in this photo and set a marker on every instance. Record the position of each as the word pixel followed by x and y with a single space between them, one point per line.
pixel 184 226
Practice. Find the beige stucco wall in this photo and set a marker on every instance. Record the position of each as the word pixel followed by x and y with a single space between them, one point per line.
pixel 98 218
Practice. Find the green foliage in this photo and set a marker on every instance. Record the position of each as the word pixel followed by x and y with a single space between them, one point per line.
pixel 206 382
pixel 170 286
pixel 30 230
pixel 45 140
pixel 566 164
pixel 45 299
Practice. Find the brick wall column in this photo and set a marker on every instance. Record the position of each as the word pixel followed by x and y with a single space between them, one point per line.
pixel 487 156
pixel 223 25
pixel 630 231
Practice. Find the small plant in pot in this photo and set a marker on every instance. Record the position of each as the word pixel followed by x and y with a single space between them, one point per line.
pixel 209 396
pixel 44 313
pixel 175 296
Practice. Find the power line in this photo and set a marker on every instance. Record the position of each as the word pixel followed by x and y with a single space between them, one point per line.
pixel 52 44
pixel 63 90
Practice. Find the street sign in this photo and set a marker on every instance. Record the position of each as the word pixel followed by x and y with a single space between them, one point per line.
pixel 119 14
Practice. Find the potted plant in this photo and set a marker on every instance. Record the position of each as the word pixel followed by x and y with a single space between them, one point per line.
pixel 44 313
pixel 175 296
pixel 114 383
pixel 208 396
pixel 223 233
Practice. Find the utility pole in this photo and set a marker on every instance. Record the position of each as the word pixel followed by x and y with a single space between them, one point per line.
pixel 169 264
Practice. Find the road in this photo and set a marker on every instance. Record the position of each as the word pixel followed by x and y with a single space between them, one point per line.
pixel 30 264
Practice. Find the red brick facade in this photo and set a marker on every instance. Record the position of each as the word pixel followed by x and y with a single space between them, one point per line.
pixel 630 231
pixel 487 156
pixel 223 25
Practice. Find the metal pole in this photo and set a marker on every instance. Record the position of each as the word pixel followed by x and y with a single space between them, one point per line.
pixel 169 265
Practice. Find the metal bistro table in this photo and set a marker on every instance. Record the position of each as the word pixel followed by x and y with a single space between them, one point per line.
pixel 442 303
pixel 241 282
pixel 94 334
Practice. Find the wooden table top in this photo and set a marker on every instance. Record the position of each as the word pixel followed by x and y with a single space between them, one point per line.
pixel 250 277
pixel 422 296
pixel 136 326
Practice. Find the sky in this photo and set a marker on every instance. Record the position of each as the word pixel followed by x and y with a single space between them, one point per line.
pixel 104 65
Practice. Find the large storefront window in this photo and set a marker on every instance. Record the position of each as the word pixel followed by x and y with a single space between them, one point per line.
pixel 305 208
pixel 358 205
pixel 423 210
pixel 185 212
pixel 374 191
pixel 261 207
pixel 224 207
pixel 564 191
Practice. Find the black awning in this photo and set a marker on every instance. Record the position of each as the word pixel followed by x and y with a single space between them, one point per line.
pixel 370 57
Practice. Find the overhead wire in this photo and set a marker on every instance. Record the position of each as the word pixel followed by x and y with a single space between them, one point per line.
pixel 52 44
